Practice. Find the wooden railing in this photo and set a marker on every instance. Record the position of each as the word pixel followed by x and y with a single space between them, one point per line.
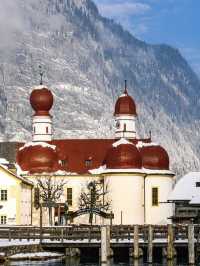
pixel 135 235
pixel 118 232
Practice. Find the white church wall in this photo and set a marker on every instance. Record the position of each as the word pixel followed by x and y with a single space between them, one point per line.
pixel 125 192
pixel 78 184
pixel 158 214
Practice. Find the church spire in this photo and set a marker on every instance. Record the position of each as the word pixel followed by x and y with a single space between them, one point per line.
pixel 125 87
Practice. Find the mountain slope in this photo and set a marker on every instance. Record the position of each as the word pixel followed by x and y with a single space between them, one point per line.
pixel 86 58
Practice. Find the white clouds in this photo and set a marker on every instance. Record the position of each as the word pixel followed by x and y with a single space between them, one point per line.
pixel 16 17
pixel 122 8
pixel 130 14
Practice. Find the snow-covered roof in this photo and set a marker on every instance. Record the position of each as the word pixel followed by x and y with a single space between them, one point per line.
pixel 3 161
pixel 104 170
pixel 40 87
pixel 141 144
pixel 121 141
pixel 195 199
pixel 22 173
pixel 58 173
pixel 186 189
pixel 38 143
pixel 123 95
pixel 24 180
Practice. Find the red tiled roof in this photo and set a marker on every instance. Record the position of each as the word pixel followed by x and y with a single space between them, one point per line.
pixel 81 155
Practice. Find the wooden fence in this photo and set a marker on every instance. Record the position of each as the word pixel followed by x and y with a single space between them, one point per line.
pixel 168 236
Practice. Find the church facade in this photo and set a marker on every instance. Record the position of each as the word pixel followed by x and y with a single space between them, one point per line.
pixel 134 173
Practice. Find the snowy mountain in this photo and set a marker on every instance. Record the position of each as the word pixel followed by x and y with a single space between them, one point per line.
pixel 86 58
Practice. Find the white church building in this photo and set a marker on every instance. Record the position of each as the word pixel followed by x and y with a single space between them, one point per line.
pixel 135 171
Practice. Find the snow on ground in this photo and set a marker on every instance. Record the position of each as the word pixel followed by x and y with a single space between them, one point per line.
pixel 7 243
pixel 35 255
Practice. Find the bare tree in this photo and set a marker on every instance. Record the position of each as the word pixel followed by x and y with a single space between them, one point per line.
pixel 50 191
pixel 93 198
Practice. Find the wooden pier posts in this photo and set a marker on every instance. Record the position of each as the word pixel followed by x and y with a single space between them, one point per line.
pixel 136 254
pixel 150 244
pixel 105 243
pixel 41 223
pixel 170 242
pixel 191 253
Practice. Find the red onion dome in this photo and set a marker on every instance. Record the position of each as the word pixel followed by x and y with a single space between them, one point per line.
pixel 123 156
pixel 154 157
pixel 41 100
pixel 125 105
pixel 37 158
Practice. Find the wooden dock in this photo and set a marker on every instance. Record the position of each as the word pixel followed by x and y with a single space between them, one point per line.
pixel 135 237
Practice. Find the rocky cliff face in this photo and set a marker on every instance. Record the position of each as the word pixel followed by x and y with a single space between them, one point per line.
pixel 86 58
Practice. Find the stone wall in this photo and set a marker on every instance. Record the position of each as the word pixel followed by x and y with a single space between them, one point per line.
pixel 15 249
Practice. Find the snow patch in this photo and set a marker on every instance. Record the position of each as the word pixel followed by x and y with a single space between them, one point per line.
pixel 104 170
pixel 123 95
pixel 35 255
pixel 61 172
pixel 99 170
pixel 121 141
pixel 3 161
pixel 40 87
pixel 43 144
pixel 20 172
pixel 7 243
pixel 141 144
pixel 186 188
pixel 195 200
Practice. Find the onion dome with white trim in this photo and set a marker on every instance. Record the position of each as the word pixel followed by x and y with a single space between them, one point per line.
pixel 41 100
pixel 125 104
pixel 154 157
pixel 37 157
pixel 123 155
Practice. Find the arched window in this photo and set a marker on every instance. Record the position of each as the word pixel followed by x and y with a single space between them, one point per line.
pixel 47 130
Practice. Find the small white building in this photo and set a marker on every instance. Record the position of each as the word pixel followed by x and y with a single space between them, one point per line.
pixel 15 198
pixel 186 197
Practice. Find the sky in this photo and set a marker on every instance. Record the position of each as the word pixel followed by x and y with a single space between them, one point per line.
pixel 173 22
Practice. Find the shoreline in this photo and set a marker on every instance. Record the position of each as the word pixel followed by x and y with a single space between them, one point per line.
pixel 36 256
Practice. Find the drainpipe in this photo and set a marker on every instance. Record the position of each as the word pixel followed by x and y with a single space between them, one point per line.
pixel 145 198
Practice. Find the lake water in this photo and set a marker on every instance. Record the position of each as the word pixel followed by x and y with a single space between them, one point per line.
pixel 72 262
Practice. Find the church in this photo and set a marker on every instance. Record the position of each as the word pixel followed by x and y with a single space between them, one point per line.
pixel 134 172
